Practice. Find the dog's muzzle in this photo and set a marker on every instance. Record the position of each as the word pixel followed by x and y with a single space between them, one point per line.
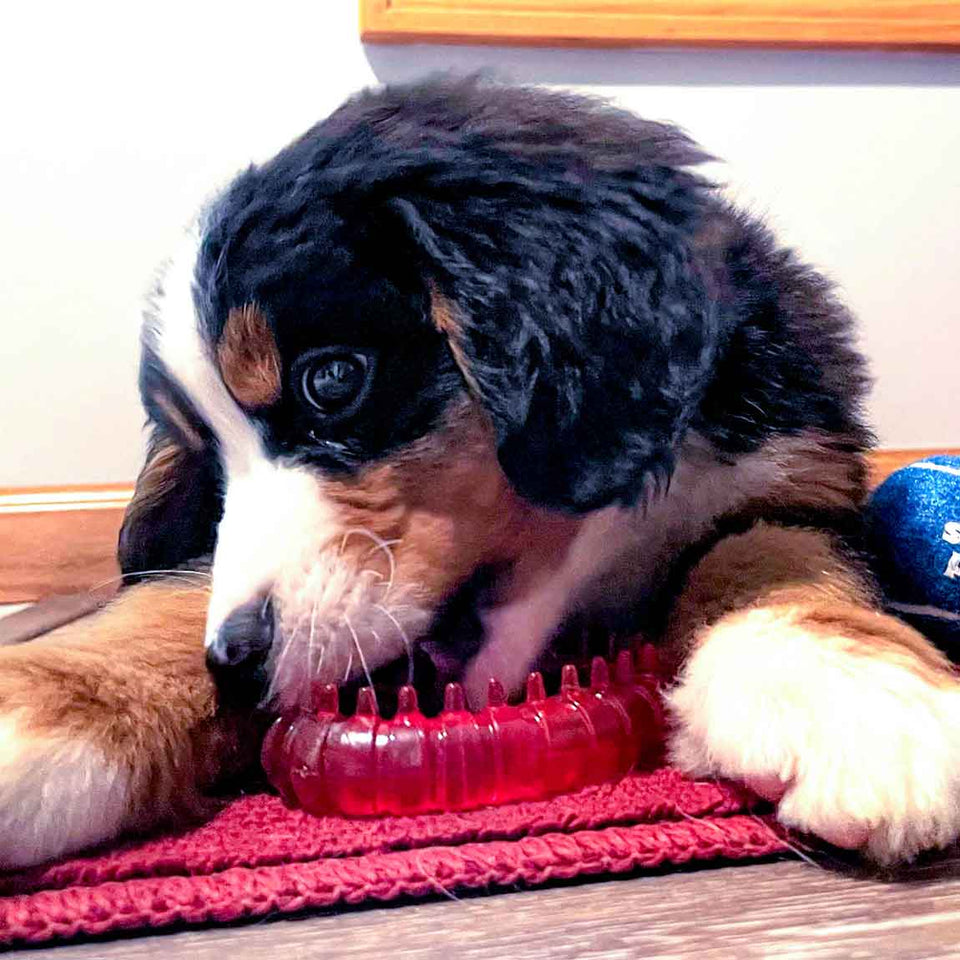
pixel 237 653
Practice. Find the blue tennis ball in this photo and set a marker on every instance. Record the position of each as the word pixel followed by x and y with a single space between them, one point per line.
pixel 913 520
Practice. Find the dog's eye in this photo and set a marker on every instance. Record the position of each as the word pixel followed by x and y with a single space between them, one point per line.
pixel 334 382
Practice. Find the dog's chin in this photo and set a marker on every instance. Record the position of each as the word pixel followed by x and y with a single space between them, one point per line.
pixel 439 657
pixel 384 645
pixel 442 655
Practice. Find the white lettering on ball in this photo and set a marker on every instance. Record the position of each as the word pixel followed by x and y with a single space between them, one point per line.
pixel 951 532
pixel 953 567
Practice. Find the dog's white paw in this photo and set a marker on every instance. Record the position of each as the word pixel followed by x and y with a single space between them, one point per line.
pixel 57 794
pixel 858 745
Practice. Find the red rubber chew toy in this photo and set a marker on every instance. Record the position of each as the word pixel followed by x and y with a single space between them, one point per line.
pixel 365 765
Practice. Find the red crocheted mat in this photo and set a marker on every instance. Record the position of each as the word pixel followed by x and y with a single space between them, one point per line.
pixel 258 858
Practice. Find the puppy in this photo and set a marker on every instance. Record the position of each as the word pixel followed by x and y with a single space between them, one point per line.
pixel 463 347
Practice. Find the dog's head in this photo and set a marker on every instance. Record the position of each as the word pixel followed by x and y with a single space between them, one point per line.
pixel 420 344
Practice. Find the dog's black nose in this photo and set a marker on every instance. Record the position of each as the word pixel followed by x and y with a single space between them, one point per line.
pixel 240 647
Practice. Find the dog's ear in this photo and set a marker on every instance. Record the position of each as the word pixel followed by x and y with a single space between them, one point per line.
pixel 176 506
pixel 573 306
pixel 178 501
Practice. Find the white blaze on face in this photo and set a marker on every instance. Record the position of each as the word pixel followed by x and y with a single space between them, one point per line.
pixel 279 533
pixel 274 515
pixel 188 358
pixel 274 520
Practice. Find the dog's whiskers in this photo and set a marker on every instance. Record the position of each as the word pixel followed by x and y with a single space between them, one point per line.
pixel 324 647
pixel 407 646
pixel 371 575
pixel 363 659
pixel 311 638
pixel 379 545
pixel 385 546
pixel 276 680
pixel 410 674
pixel 182 575
pixel 203 574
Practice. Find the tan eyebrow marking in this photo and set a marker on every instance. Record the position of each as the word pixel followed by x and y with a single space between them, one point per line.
pixel 248 357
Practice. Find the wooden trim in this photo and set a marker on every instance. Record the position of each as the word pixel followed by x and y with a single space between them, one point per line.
pixel 884 462
pixel 64 500
pixel 934 24
pixel 60 541
pixel 82 489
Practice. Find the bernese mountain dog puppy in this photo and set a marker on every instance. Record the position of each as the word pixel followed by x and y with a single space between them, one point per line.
pixel 466 376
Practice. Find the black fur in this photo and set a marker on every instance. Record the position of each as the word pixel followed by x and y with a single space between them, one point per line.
pixel 786 359
pixel 607 299
pixel 293 238
pixel 177 527
pixel 559 229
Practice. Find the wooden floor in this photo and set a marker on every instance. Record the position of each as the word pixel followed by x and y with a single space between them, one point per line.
pixel 767 910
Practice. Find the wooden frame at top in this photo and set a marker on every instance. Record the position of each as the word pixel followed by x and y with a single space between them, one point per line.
pixel 927 24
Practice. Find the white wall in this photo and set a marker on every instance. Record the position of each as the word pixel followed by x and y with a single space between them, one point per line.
pixel 116 119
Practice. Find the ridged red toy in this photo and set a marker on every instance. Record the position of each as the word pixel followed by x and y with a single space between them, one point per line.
pixel 365 765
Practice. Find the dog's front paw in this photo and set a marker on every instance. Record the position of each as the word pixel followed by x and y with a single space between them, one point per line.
pixel 58 792
pixel 111 724
pixel 853 733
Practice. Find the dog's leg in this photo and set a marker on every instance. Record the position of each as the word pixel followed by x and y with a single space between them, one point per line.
pixel 793 681
pixel 108 725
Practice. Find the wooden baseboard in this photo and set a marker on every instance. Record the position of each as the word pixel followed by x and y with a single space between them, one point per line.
pixel 63 540
pixel 884 462
pixel 59 541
